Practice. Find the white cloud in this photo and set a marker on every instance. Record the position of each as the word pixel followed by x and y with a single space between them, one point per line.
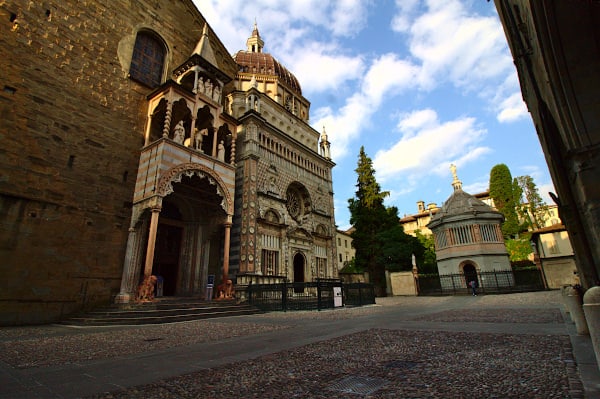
pixel 349 17
pixel 417 120
pixel 428 146
pixel 386 74
pixel 453 45
pixel 401 22
pixel 512 109
pixel 319 67
pixel 544 190
pixel 477 187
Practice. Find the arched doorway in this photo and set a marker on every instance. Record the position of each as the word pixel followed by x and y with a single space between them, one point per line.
pixel 470 273
pixel 299 262
pixel 168 248
pixel 189 237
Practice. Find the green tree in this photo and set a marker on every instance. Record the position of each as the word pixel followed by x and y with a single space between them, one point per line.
pixel 519 249
pixel 378 238
pixel 426 261
pixel 502 192
pixel 397 248
pixel 533 209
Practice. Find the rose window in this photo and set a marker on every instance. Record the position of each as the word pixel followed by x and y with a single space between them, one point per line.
pixel 294 206
pixel 298 201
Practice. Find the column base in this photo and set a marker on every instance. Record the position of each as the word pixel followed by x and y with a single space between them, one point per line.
pixel 123 298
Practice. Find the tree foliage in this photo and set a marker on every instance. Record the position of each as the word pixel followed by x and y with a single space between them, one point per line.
pixel 519 249
pixel 502 192
pixel 378 238
pixel 522 207
pixel 397 249
pixel 426 260
pixel 532 210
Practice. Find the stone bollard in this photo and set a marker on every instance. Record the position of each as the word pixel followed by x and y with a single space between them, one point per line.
pixel 591 308
pixel 575 305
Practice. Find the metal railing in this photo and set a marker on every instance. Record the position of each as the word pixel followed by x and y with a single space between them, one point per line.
pixel 315 295
pixel 497 281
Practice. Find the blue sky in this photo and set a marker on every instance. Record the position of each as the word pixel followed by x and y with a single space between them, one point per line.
pixel 420 84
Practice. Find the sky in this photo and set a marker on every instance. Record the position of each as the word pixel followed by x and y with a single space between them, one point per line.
pixel 420 84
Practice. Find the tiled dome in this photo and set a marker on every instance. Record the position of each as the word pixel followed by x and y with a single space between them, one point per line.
pixel 461 206
pixel 460 203
pixel 265 64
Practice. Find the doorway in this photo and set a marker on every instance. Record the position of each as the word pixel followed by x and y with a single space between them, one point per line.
pixel 298 271
pixel 166 256
pixel 470 273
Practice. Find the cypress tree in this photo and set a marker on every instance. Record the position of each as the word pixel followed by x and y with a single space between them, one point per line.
pixel 378 238
pixel 502 192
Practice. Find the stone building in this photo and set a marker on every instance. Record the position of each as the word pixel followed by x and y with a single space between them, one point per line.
pixel 555 48
pixel 135 144
pixel 468 237
pixel 345 250
pixel 553 254
pixel 284 223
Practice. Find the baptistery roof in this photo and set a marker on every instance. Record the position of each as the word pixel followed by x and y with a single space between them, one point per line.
pixel 463 206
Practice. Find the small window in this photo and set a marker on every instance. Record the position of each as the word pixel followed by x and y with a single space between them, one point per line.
pixel 270 262
pixel 148 59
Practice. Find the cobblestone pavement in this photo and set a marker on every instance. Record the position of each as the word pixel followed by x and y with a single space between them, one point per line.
pixel 389 364
pixel 495 346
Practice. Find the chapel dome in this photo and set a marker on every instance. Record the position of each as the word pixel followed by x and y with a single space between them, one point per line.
pixel 266 64
pixel 254 61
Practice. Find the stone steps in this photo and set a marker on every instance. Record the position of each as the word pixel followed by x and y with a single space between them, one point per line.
pixel 161 311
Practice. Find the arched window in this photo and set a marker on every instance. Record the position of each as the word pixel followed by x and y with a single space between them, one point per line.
pixel 148 59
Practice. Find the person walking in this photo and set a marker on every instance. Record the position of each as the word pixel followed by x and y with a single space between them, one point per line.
pixel 473 285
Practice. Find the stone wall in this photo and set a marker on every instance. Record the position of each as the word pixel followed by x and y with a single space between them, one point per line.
pixel 72 128
pixel 402 283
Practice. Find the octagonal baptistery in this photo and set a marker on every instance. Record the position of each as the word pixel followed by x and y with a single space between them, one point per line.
pixel 468 239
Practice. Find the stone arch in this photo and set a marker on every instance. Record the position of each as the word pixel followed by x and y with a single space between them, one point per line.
pixel 322 230
pixel 469 270
pixel 157 120
pixel 181 112
pixel 131 51
pixel 272 216
pixel 298 201
pixel 174 175
pixel 225 135
pixel 204 126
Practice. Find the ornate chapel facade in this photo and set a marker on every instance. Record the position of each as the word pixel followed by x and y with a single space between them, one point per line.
pixel 141 147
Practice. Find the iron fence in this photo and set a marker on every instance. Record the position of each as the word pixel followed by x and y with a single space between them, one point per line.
pixel 497 281
pixel 316 295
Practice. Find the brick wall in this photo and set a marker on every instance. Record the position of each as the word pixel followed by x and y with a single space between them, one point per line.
pixel 71 127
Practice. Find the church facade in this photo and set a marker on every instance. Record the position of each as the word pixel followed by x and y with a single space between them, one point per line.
pixel 136 145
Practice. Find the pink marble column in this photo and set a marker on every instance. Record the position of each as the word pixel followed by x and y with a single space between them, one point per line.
pixel 151 242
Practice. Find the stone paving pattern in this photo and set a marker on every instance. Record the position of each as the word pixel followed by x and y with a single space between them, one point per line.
pixel 412 364
pixel 372 363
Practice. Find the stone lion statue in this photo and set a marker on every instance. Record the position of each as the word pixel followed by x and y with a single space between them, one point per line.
pixel 145 291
